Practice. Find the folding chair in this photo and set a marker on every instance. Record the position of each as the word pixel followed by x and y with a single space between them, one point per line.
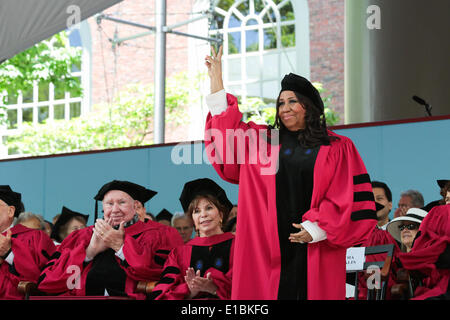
pixel 370 268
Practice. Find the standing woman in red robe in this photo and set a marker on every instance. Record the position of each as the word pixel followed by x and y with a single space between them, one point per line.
pixel 295 222
pixel 202 268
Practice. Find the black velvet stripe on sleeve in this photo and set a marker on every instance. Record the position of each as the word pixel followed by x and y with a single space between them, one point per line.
pixel 160 260
pixel 170 270
pixel 154 294
pixel 363 214
pixel 161 251
pixel 166 280
pixel 45 254
pixel 55 255
pixel 363 196
pixel 361 178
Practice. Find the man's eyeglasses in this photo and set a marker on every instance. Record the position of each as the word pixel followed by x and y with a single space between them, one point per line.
pixel 411 226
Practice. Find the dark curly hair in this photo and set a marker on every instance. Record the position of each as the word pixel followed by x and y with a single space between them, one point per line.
pixel 315 132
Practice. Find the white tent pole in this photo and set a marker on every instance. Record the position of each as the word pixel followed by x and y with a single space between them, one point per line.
pixel 160 72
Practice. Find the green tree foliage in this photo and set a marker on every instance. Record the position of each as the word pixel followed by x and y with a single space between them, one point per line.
pixel 128 121
pixel 50 60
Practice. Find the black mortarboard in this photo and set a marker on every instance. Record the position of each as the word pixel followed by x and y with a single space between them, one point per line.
pixel 442 183
pixel 203 186
pixel 11 198
pixel 66 216
pixel 379 206
pixel 293 82
pixel 164 215
pixel 136 191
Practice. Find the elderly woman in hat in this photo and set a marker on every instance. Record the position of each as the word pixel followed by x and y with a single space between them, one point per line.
pixel 202 268
pixel 110 257
pixel 296 221
pixel 404 229
pixel 23 251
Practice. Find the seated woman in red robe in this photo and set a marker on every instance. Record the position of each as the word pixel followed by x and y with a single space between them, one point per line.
pixel 202 268
pixel 430 255
pixel 112 256
pixel 304 193
pixel 24 252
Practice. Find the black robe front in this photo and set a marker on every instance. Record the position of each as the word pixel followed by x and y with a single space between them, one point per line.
pixel 294 181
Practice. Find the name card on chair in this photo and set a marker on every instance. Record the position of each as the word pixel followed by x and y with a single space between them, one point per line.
pixel 355 258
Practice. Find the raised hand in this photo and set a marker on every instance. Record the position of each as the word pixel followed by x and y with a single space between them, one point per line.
pixel 214 65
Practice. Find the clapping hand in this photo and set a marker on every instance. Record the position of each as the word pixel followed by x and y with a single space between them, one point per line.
pixel 196 283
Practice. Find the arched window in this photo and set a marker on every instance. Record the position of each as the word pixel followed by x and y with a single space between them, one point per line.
pixel 259 40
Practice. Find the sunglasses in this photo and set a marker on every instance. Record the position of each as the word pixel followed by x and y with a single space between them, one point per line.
pixel 411 226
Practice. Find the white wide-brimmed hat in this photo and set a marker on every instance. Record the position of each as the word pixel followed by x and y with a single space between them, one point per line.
pixel 413 214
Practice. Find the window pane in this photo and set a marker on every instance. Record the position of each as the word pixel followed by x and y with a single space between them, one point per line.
pixel 234 42
pixel 75 110
pixel 27 114
pixel 27 95
pixel 42 114
pixel 59 91
pixel 252 22
pixel 11 99
pixel 75 93
pixel 251 38
pixel 43 91
pixel 234 69
pixel 288 36
pixel 234 22
pixel 287 12
pixel 270 39
pixel 253 67
pixel 269 17
pixel 12 118
pixel 58 111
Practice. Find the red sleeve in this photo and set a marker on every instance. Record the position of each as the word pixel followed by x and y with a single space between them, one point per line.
pixel 71 252
pixel 172 286
pixel 223 134
pixel 146 255
pixel 347 209
pixel 32 251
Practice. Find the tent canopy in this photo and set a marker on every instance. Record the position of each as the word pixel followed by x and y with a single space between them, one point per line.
pixel 24 23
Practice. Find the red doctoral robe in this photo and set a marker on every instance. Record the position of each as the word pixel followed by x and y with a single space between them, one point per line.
pixel 340 204
pixel 146 247
pixel 32 249
pixel 430 254
pixel 208 254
